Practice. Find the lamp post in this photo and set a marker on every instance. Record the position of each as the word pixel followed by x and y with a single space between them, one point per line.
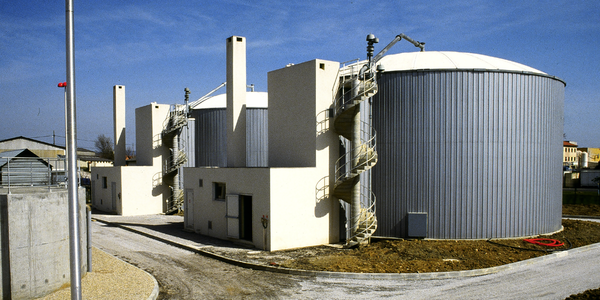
pixel 71 147
pixel 64 86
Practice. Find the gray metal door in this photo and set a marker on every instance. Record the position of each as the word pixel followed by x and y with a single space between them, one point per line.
pixel 113 187
pixel 188 210
pixel 233 216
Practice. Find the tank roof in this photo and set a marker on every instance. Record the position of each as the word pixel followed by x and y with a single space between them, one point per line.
pixel 449 60
pixel 253 100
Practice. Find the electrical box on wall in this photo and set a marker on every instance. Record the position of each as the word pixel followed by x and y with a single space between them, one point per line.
pixel 417 224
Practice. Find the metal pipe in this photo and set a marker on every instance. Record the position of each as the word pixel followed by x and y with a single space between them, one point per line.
pixel 416 43
pixel 355 194
pixel 74 230
pixel 174 162
pixel 88 211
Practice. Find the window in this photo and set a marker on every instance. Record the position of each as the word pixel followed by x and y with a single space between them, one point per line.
pixel 104 182
pixel 219 190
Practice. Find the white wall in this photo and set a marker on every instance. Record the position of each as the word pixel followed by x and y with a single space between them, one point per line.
pixel 297 218
pixel 134 190
pixel 139 196
pixel 149 122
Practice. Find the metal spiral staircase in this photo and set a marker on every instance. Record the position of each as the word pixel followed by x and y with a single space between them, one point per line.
pixel 175 121
pixel 357 84
pixel 353 90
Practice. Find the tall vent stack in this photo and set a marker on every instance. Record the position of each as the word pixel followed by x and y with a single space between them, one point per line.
pixel 119 123
pixel 236 102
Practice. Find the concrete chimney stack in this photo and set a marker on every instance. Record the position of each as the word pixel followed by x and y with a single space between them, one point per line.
pixel 236 102
pixel 119 121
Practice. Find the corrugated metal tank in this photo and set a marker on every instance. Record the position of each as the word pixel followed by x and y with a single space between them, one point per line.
pixel 211 131
pixel 474 142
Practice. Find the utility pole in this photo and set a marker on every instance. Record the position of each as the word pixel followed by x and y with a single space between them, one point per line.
pixel 71 147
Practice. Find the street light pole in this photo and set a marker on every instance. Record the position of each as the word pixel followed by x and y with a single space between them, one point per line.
pixel 64 85
pixel 74 230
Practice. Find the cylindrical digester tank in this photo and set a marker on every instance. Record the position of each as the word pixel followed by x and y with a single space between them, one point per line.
pixel 211 131
pixel 469 146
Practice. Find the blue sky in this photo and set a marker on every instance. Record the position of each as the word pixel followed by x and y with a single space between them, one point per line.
pixel 157 48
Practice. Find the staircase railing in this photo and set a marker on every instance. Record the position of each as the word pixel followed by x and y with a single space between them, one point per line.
pixel 365 157
pixel 366 224
pixel 174 202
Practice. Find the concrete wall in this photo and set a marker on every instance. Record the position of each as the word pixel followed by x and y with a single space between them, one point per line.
pixel 34 239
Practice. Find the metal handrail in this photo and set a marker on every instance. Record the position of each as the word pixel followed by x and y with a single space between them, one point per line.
pixel 366 152
pixel 175 201
pixel 322 189
pixel 361 89
pixel 176 118
pixel 366 218
pixel 175 161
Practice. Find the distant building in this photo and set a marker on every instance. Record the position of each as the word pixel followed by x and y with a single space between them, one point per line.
pixel 570 154
pixel 42 149
pixel 23 168
pixel 593 156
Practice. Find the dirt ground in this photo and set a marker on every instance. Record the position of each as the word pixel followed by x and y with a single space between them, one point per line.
pixel 418 256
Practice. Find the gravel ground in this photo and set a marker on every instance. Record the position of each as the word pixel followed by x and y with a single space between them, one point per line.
pixel 111 278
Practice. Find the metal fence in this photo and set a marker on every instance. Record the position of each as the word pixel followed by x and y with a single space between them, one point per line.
pixel 32 171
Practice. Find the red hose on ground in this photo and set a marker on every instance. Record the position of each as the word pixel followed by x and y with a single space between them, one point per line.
pixel 545 242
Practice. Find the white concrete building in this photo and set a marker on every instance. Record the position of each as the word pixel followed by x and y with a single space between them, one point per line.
pixel 139 189
pixel 289 202
pixel 276 207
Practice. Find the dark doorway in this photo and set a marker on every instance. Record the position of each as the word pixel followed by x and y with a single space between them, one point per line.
pixel 246 217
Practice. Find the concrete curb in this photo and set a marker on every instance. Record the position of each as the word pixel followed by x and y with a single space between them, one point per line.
pixel 380 276
pixel 581 217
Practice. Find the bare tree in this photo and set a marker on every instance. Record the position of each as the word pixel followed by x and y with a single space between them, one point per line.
pixel 129 152
pixel 104 146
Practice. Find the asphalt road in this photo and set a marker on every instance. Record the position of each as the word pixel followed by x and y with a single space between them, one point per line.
pixel 185 275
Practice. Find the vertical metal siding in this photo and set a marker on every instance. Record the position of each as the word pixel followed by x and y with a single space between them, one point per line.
pixel 480 152
pixel 25 171
pixel 188 137
pixel 211 137
pixel 257 141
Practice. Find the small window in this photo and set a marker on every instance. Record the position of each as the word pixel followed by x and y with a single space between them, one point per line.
pixel 219 190
pixel 104 182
